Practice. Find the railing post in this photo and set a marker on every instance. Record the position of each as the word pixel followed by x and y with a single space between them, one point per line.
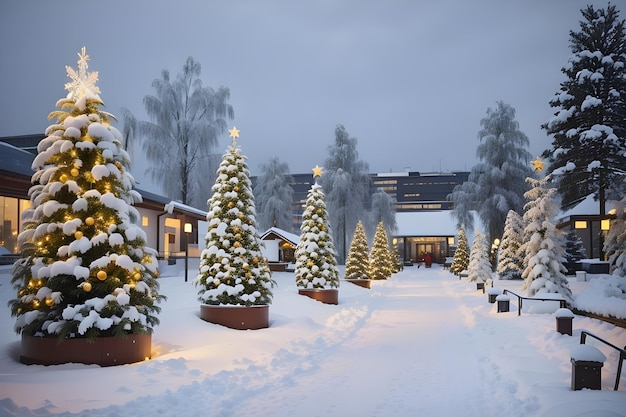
pixel 519 306
pixel 622 358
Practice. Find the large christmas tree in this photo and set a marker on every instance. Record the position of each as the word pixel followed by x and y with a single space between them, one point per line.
pixel 85 269
pixel 232 268
pixel 316 264
pixel 543 243
pixel 357 264
pixel 461 254
pixel 381 264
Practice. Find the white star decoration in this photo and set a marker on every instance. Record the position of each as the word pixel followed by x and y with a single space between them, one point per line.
pixel 83 83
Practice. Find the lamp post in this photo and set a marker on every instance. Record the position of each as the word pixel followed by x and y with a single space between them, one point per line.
pixel 187 231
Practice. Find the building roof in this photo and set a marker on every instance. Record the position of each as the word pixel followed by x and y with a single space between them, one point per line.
pixel 289 237
pixel 16 160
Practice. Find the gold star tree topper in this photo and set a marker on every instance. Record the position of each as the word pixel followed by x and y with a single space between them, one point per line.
pixel 537 164
pixel 234 133
pixel 83 83
pixel 317 171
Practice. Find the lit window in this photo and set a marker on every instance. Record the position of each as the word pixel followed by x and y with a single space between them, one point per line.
pixel 144 221
pixel 580 224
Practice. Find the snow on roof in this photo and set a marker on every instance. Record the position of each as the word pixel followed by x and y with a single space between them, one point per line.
pixel 169 207
pixel 426 223
pixel 290 237
pixel 589 206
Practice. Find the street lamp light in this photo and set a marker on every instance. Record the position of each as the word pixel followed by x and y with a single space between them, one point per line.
pixel 187 230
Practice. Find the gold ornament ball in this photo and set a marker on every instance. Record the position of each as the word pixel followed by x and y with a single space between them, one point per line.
pixel 89 221
pixel 49 302
pixel 78 235
pixel 248 275
pixel 87 286
pixel 246 267
pixel 255 260
pixel 74 172
pixel 309 264
pixel 237 244
pixel 102 275
pixel 63 178
pixel 236 188
pixel 137 276
pixel 231 204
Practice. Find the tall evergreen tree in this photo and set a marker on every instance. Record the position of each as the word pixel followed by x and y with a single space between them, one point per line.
pixel 357 264
pixel 588 153
pixel 461 254
pixel 381 265
pixel 316 264
pixel 511 259
pixel 383 210
pixel 479 268
pixel 187 120
pixel 85 268
pixel 497 184
pixel 274 195
pixel 543 243
pixel 232 268
pixel 346 183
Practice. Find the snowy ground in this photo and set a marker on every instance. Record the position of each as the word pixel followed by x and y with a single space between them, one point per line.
pixel 420 344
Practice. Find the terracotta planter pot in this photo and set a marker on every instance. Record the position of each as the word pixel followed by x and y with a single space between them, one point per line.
pixel 326 296
pixel 365 283
pixel 103 351
pixel 236 317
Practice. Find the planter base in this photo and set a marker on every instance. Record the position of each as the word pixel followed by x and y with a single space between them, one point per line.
pixel 236 317
pixel 326 296
pixel 365 283
pixel 103 351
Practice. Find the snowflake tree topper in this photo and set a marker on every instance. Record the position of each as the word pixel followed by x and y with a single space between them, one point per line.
pixel 83 83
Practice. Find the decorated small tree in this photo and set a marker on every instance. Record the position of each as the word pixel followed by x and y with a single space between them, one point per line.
pixel 381 265
pixel 357 264
pixel 615 243
pixel 511 259
pixel 461 254
pixel 85 270
pixel 479 268
pixel 232 269
pixel 543 243
pixel 316 264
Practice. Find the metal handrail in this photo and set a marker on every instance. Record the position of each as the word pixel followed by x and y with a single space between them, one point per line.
pixel 622 353
pixel 562 303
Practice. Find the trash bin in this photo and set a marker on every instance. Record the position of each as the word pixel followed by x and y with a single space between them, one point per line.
pixel 564 319
pixel 503 303
pixel 587 362
pixel 581 276
pixel 480 285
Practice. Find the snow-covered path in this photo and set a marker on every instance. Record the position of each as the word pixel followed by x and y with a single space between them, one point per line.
pixel 421 343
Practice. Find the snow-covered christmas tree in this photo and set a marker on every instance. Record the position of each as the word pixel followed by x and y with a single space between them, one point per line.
pixel 479 268
pixel 357 264
pixel 316 262
pixel 85 270
pixel 381 264
pixel 511 257
pixel 574 250
pixel 232 268
pixel 543 242
pixel 461 254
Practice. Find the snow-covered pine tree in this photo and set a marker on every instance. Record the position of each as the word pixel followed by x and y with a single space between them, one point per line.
pixel 574 249
pixel 543 242
pixel 497 184
pixel 232 268
pixel 589 127
pixel 511 259
pixel 479 268
pixel 273 195
pixel 357 264
pixel 85 269
pixel 381 266
pixel 383 210
pixel 316 264
pixel 461 254
pixel 615 242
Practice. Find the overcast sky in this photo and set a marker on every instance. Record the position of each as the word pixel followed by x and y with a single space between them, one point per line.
pixel 410 79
